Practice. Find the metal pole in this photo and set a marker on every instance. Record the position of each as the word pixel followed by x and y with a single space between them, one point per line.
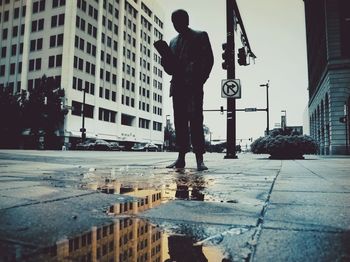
pixel 83 130
pixel 231 102
pixel 267 109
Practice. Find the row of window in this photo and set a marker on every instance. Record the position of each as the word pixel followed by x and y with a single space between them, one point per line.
pixel 128 101
pixel 146 9
pixel 78 85
pixel 146 65
pixel 129 39
pixel 129 69
pixel 143 106
pixel 128 85
pixel 157 110
pixel 130 9
pixel 129 24
pixel 157 71
pixel 80 43
pixel 81 24
pixel 105 57
pixel 14 32
pixel 146 51
pixel 145 37
pixel 110 8
pixel 78 63
pixel 106 75
pixel 146 24
pixel 157 84
pixel 39 6
pixel 129 54
pixel 93 12
pixel 109 115
pixel 12 69
pixel 157 97
pixel 15 13
pixel 55 61
pixel 110 26
pixel 107 94
pixel 158 21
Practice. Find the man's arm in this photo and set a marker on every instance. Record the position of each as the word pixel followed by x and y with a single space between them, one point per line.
pixel 206 57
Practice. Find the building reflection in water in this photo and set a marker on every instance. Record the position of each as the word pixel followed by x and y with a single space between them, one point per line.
pixel 128 239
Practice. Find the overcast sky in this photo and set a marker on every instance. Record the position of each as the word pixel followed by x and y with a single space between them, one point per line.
pixel 276 32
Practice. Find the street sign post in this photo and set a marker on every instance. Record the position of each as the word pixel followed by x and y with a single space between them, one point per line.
pixel 231 88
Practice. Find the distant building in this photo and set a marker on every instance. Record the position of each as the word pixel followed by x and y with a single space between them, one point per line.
pixel 328 48
pixel 104 47
pixel 306 123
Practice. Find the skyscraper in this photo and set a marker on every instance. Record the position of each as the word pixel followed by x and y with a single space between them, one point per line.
pixel 100 47
pixel 328 48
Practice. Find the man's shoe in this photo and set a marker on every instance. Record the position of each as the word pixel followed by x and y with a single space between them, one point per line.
pixel 201 166
pixel 179 163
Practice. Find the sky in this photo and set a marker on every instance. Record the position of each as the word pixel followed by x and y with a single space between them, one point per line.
pixel 276 33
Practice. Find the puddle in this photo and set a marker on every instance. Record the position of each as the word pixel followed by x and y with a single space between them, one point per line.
pixel 128 239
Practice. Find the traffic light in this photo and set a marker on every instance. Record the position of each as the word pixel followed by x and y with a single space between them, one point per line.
pixel 221 109
pixel 242 56
pixel 225 56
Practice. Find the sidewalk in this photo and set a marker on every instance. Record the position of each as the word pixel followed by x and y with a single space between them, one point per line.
pixel 252 208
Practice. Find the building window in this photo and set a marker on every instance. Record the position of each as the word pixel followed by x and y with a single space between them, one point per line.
pixel 77 109
pixel 4 33
pixel 3 52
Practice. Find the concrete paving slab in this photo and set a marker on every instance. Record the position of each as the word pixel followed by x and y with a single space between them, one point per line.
pixel 17 184
pixel 308 185
pixel 43 193
pixel 8 202
pixel 341 200
pixel 307 217
pixel 287 245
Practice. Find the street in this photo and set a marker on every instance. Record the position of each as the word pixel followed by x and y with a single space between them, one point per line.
pixel 125 206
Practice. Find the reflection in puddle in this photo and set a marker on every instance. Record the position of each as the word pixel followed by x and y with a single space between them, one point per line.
pixel 129 239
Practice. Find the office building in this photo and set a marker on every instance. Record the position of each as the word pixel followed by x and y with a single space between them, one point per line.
pixel 328 48
pixel 103 48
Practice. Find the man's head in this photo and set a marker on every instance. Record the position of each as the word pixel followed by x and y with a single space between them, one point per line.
pixel 180 20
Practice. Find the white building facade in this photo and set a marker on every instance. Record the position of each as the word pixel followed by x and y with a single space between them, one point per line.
pixel 104 47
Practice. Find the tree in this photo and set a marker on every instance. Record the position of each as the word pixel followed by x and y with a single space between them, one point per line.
pixel 43 112
pixel 10 118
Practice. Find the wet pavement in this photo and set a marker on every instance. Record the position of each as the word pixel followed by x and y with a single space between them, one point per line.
pixel 125 206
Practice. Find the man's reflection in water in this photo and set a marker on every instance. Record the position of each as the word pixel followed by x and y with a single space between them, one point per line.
pixel 181 249
pixel 189 187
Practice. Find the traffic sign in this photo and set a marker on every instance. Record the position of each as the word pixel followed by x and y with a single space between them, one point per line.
pixel 231 88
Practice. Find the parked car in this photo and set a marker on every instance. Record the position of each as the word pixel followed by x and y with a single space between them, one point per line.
pixel 87 145
pixel 145 147
pixel 116 147
pixel 101 145
pixel 91 144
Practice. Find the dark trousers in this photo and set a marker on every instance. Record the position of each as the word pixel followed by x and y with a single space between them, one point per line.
pixel 188 119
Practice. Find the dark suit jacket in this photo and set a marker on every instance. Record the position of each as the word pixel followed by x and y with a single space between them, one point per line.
pixel 194 61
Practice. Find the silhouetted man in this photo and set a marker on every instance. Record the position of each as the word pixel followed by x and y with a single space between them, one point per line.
pixel 190 68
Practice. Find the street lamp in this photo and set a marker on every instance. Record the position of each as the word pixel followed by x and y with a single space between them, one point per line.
pixel 267 106
pixel 82 129
pixel 284 119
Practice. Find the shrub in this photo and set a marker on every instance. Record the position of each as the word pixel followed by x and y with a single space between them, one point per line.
pixel 284 146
